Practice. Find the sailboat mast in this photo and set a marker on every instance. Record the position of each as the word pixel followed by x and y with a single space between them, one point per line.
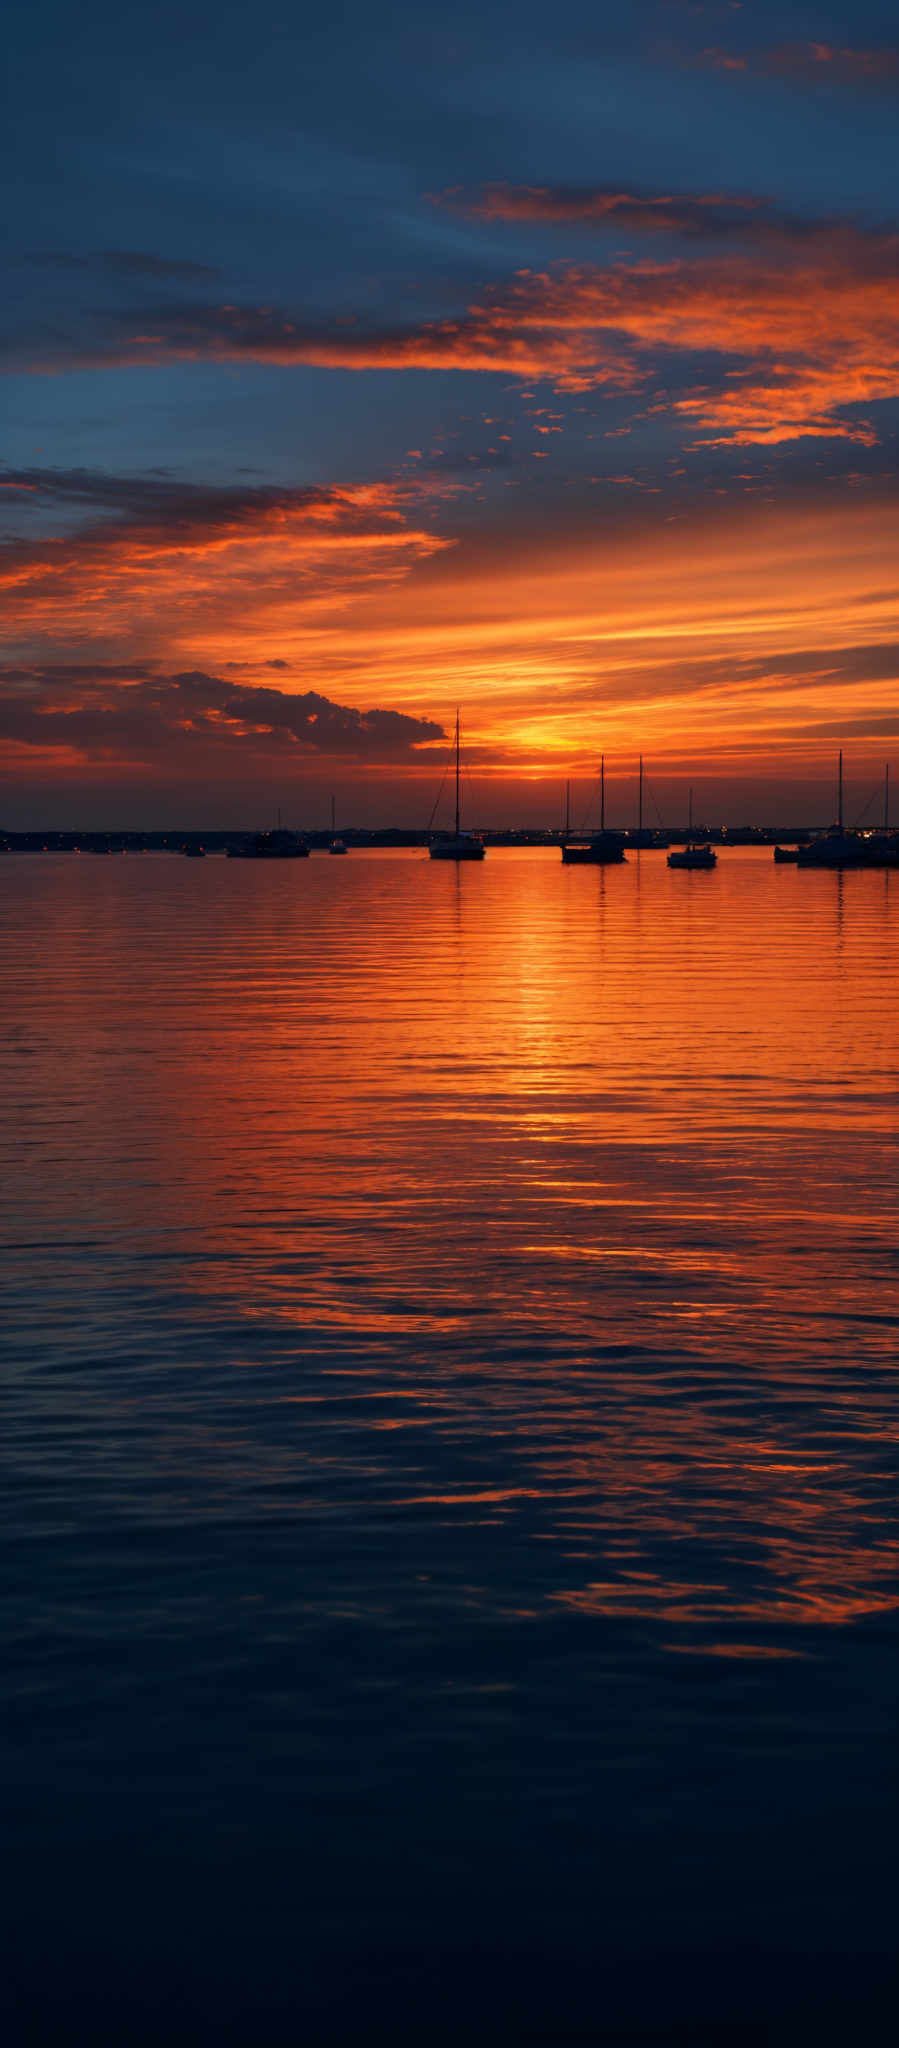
pixel 567 808
pixel 886 796
pixel 602 792
pixel 332 817
pixel 690 813
pixel 457 771
pixel 640 798
pixel 840 792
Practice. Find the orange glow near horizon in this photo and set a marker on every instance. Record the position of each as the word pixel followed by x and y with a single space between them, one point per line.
pixel 726 603
pixel 752 641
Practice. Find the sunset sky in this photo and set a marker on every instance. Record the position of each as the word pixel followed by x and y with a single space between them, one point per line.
pixel 361 363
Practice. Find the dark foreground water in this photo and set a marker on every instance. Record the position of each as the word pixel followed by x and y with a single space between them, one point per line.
pixel 450 1451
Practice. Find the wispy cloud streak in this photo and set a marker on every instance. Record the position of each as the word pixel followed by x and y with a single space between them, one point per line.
pixel 159 562
pixel 701 215
pixel 812 64
pixel 798 323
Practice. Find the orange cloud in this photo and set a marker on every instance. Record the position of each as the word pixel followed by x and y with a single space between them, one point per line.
pixel 730 637
pixel 652 213
pixel 182 563
pixel 482 340
pixel 802 322
pixel 741 641
pixel 818 334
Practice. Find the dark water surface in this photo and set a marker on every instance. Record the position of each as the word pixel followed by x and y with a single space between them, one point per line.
pixel 450 1450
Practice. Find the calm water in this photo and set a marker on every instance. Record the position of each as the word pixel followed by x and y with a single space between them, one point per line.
pixel 450 1450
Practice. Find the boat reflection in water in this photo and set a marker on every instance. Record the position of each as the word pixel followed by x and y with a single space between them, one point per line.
pixel 457 845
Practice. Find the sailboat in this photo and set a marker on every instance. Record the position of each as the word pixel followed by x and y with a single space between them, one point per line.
pixel 840 848
pixel 457 845
pixel 594 849
pixel 696 853
pixel 837 848
pixel 886 842
pixel 336 845
pixel 644 835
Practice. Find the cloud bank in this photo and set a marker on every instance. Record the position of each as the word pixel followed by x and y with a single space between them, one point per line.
pixel 83 714
pixel 160 565
pixel 796 324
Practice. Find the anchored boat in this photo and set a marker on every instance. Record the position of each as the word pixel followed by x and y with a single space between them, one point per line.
pixel 336 845
pixel 457 845
pixel 593 849
pixel 842 848
pixel 697 853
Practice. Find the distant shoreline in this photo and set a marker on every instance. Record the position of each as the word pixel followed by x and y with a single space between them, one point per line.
pixel 38 841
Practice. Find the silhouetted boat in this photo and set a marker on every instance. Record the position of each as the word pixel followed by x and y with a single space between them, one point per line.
pixel 279 845
pixel 693 857
pixel 594 849
pixel 640 835
pixel 786 853
pixel 697 853
pixel 840 848
pixel 337 845
pixel 457 845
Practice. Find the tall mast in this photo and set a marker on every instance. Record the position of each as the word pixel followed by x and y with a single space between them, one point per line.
pixel 886 796
pixel 332 817
pixel 602 792
pixel 457 771
pixel 640 798
pixel 690 813
pixel 567 808
pixel 840 793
